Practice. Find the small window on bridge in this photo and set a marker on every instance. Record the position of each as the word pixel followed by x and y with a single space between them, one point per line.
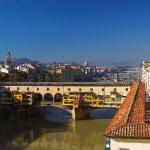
pixel 47 89
pixel 58 89
pixel 37 89
pixel 18 88
pixel 115 89
pixel 127 89
pixel 103 89
pixel 69 89
pixel 27 89
pixel 91 89
pixel 80 89
pixel 8 88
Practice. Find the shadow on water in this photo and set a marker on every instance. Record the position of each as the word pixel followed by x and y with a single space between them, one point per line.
pixel 103 113
pixel 59 115
pixel 55 130
pixel 54 114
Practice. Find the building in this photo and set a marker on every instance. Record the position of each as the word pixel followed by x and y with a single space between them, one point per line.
pixel 65 72
pixel 25 67
pixel 7 66
pixel 69 74
pixel 38 74
pixel 17 76
pixel 146 75
pixel 129 129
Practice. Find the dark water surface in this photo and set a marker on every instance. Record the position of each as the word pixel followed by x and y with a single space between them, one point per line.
pixel 55 130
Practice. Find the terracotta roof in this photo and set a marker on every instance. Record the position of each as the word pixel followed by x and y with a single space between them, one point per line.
pixel 137 114
pixel 121 116
pixel 129 121
pixel 131 130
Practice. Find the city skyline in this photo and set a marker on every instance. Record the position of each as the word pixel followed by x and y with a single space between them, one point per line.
pixel 104 32
pixel 23 60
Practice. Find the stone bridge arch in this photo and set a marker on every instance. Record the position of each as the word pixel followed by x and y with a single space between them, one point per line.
pixel 48 97
pixel 37 98
pixel 58 97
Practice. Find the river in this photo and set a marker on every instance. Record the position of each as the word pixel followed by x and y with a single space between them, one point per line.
pixel 55 130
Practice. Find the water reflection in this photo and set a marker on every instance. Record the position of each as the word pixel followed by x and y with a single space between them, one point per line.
pixel 81 135
pixel 37 133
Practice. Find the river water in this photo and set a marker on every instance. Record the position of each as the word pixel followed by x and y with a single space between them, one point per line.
pixel 55 130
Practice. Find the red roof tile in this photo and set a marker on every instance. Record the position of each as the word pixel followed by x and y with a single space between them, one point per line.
pixel 121 116
pixel 129 121
pixel 132 131
pixel 137 114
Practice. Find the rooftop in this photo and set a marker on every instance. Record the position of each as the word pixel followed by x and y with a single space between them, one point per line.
pixel 129 120
pixel 65 84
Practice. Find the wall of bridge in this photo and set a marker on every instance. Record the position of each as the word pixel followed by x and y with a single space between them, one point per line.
pixel 99 90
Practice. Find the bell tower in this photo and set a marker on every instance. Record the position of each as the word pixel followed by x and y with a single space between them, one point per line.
pixel 8 60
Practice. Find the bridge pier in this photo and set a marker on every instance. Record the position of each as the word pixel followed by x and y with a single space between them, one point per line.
pixel 81 113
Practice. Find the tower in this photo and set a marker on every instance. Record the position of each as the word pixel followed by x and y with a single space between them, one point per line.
pixel 8 60
pixel 86 63
pixel 54 71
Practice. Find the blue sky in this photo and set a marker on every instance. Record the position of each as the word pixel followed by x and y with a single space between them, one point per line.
pixel 104 31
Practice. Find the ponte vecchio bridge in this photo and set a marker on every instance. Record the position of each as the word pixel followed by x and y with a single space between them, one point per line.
pixel 57 89
pixel 53 92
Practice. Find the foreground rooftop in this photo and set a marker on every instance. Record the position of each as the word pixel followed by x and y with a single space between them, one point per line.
pixel 129 120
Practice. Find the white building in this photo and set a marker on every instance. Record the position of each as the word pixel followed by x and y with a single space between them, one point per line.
pixel 129 144
pixel 146 76
pixel 25 67
pixel 4 69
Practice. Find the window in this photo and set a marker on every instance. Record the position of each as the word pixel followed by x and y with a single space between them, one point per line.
pixel 103 89
pixel 69 89
pixel 91 89
pixel 47 89
pixel 80 89
pixel 115 89
pixel 27 89
pixel 18 89
pixel 126 89
pixel 37 89
pixel 58 89
pixel 8 88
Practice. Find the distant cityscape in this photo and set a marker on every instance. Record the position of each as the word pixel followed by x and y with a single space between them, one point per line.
pixel 25 70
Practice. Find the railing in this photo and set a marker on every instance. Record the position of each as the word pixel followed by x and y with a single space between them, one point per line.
pixel 93 103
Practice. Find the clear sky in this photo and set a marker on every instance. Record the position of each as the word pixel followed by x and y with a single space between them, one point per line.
pixel 103 31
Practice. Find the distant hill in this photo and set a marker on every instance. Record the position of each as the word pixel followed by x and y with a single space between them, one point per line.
pixel 24 60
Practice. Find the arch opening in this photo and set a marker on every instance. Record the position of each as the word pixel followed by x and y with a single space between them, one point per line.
pixel 37 98
pixel 58 97
pixel 48 97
